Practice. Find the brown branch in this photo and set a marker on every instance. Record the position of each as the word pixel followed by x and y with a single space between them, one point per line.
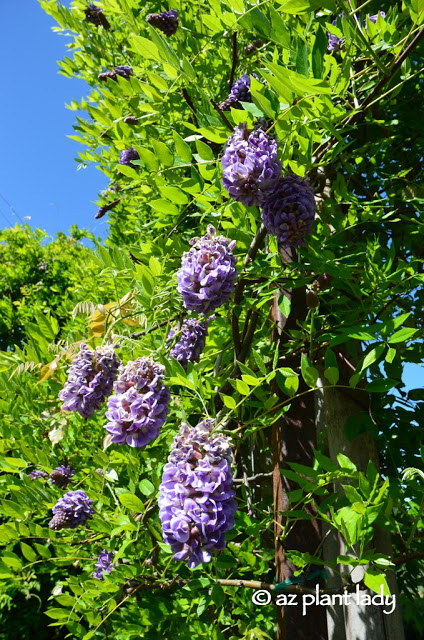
pixel 222 115
pixel 139 334
pixel 234 60
pixel 247 584
pixel 406 558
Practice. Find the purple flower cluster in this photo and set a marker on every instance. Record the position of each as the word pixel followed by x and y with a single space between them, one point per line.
pixel 127 156
pixel 196 502
pixel 90 380
pixel 240 92
pixel 207 274
pixel 289 211
pixel 252 47
pixel 61 476
pixel 167 21
pixel 106 208
pixel 104 564
pixel 122 70
pixel 96 16
pixel 71 510
pixel 375 18
pixel 37 474
pixel 334 43
pixel 250 165
pixel 191 340
pixel 139 406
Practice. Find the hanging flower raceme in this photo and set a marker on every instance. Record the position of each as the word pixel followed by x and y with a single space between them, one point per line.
pixel 139 406
pixel 167 21
pixel 90 380
pixel 62 476
pixel 289 211
pixel 191 339
pixel 95 15
pixel 71 511
pixel 34 475
pixel 128 156
pixel 250 165
pixel 207 274
pixel 123 70
pixel 104 564
pixel 240 92
pixel 106 208
pixel 196 502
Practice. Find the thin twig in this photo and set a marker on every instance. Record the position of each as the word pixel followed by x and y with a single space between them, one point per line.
pixel 376 91
pixel 190 104
pixel 258 476
pixel 139 334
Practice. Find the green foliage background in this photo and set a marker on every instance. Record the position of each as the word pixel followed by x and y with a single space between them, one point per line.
pixel 348 121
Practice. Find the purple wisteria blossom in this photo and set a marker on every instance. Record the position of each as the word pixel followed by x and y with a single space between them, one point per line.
pixel 289 211
pixel 95 15
pixel 37 474
pixel 139 406
pixel 104 564
pixel 61 476
pixel 190 340
pixel 196 501
pixel 334 43
pixel 122 70
pixel 127 156
pixel 240 92
pixel 90 380
pixel 207 274
pixel 250 165
pixel 375 18
pixel 167 21
pixel 106 208
pixel 71 511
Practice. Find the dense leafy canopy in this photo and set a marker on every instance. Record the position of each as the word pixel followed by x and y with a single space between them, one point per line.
pixel 345 119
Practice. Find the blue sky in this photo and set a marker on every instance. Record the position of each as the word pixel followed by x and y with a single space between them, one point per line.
pixel 38 173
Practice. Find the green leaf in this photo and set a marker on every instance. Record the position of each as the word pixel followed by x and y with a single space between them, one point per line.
pixel 149 159
pixel 302 63
pixel 228 401
pixel 373 356
pixel 284 304
pixel 145 48
pixel 164 155
pixel 309 373
pixel 318 50
pixel 164 206
pixel 242 387
pixel 403 335
pixel 131 502
pixel 345 463
pixel 332 375
pixel 146 487
pixel 28 552
pixel 376 581
pixel 381 385
pixel 182 148
pixel 279 32
pixel 298 83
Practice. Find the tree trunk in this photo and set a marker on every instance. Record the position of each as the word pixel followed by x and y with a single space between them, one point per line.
pixel 353 622
pixel 293 440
